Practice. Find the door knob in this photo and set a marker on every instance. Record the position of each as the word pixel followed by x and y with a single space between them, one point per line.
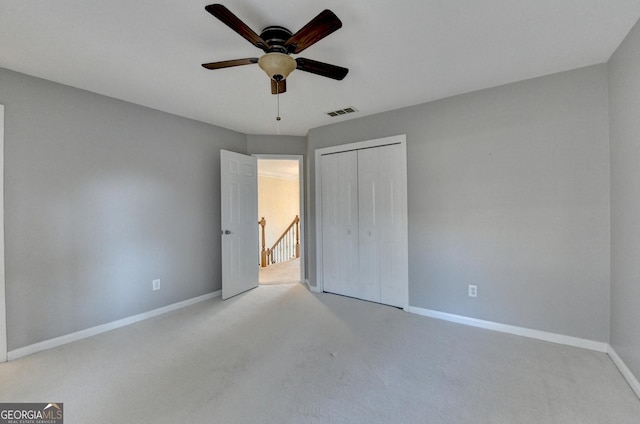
pixel 227 232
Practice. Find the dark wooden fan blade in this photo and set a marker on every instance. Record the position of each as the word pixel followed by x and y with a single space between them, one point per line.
pixel 278 87
pixel 233 22
pixel 230 63
pixel 320 68
pixel 318 28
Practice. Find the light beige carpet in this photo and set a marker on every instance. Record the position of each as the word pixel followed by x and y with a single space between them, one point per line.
pixel 280 354
pixel 281 273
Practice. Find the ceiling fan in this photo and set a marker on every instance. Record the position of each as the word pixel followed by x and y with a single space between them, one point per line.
pixel 278 43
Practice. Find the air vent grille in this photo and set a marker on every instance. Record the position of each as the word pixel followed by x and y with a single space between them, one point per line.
pixel 344 111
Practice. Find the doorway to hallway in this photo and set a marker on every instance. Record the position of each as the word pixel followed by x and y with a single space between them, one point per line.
pixel 280 212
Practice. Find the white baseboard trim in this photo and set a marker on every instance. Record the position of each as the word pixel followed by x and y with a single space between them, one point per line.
pixel 511 329
pixel 625 371
pixel 83 334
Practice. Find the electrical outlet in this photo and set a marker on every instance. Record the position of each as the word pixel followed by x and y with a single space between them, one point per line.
pixel 473 290
pixel 156 285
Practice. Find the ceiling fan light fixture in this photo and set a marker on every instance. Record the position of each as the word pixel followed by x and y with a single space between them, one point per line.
pixel 277 65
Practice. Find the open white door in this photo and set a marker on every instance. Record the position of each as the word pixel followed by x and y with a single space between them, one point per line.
pixel 239 200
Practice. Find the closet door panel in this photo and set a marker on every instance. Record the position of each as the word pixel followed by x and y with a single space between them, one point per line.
pixel 382 219
pixel 369 219
pixel 340 223
pixel 393 252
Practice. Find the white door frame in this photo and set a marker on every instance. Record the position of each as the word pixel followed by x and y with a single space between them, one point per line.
pixel 3 302
pixel 300 160
pixel 396 139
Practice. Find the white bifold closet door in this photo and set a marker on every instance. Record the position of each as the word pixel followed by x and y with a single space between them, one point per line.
pixel 364 213
pixel 340 223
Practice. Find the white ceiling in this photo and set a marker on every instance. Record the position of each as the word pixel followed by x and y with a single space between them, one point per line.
pixel 399 53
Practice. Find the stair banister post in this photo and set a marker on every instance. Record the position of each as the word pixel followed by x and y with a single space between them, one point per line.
pixel 263 252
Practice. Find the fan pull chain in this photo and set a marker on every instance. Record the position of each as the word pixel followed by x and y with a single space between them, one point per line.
pixel 278 118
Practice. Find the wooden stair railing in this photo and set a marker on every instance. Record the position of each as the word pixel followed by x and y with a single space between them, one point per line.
pixel 285 248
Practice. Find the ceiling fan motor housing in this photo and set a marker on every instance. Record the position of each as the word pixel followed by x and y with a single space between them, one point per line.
pixel 276 36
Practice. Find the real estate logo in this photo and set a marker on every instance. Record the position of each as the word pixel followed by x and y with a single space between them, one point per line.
pixel 31 413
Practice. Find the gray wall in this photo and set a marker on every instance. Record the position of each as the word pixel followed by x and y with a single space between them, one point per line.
pixel 276 145
pixel 509 190
pixel 624 97
pixel 102 197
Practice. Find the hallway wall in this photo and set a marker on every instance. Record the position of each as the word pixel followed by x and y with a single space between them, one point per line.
pixel 278 203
